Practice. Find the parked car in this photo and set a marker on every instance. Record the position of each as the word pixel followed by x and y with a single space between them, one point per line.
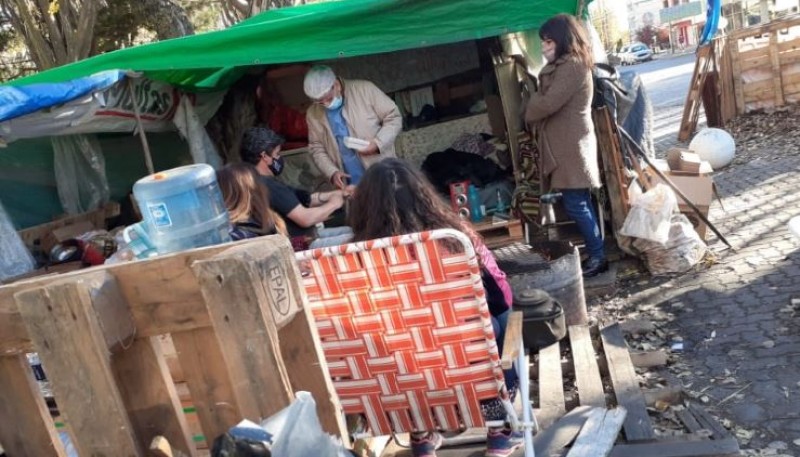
pixel 634 53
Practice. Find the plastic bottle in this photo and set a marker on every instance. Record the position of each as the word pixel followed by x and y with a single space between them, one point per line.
pixel 476 215
pixel 501 207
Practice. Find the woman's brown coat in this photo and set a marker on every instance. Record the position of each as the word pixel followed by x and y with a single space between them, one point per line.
pixel 561 112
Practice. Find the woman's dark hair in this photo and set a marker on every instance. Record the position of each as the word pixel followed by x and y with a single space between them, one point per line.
pixel 570 37
pixel 393 198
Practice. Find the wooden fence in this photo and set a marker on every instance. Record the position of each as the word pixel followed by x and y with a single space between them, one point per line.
pixel 765 65
pixel 243 339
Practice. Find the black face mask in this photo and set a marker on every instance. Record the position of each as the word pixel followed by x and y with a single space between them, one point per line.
pixel 276 167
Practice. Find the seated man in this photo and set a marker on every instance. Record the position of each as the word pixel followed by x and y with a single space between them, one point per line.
pixel 301 210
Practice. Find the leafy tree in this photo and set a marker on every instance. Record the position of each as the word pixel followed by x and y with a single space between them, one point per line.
pixel 234 11
pixel 605 22
pixel 57 32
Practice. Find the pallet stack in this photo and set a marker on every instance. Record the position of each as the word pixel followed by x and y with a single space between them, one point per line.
pixel 235 315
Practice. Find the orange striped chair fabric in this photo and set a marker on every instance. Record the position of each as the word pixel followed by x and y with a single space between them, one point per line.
pixel 406 330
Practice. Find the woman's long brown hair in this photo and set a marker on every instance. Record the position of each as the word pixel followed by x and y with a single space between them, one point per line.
pixel 247 198
pixel 393 198
pixel 570 36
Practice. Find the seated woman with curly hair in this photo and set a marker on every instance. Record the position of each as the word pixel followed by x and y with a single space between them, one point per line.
pixel 393 199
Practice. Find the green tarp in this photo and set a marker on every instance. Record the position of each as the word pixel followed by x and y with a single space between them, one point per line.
pixel 320 31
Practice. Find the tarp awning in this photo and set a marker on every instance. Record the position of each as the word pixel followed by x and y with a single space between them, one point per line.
pixel 321 31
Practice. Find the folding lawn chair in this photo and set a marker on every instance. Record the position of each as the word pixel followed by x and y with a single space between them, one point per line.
pixel 407 334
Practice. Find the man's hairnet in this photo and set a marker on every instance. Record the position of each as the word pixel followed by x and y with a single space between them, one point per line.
pixel 318 81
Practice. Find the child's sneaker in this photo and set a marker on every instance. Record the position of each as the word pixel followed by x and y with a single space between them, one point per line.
pixel 502 443
pixel 426 446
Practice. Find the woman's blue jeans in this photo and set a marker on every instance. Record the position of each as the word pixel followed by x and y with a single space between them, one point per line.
pixel 578 204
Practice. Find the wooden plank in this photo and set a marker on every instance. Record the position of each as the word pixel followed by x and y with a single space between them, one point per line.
pixel 790 58
pixel 150 396
pixel 162 293
pixel 626 388
pixel 754 54
pixel 708 422
pixel 717 448
pixel 302 354
pixel 612 166
pixel 239 306
pixel 96 217
pixel 68 336
pixel 587 373
pixel 788 46
pixel 553 439
pixel 649 359
pixel 775 60
pixel 688 420
pixel 754 62
pixel 765 28
pixel 551 386
pixel 512 341
pixel 208 381
pixel 738 84
pixel 669 394
pixel 598 435
pixel 27 426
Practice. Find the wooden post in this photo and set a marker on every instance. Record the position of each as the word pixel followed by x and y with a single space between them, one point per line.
pixel 68 335
pixel 263 282
pixel 775 60
pixel 27 428
pixel 208 380
pixel 150 396
pixel 244 326
pixel 736 65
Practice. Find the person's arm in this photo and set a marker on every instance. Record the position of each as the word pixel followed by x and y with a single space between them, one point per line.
pixel 308 217
pixel 391 119
pixel 568 79
pixel 320 198
pixel 316 135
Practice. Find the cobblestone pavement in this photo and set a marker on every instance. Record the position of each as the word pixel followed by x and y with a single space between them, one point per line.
pixel 736 318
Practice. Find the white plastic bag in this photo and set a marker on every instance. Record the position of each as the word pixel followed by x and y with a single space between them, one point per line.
pixel 15 260
pixel 683 250
pixel 649 217
pixel 297 432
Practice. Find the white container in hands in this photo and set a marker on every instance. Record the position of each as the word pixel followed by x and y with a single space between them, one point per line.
pixel 356 144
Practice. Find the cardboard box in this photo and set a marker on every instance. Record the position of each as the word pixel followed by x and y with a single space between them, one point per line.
pixel 699 189
pixel 65 233
pixel 689 162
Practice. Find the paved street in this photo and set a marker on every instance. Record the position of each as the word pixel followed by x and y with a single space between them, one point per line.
pixel 741 330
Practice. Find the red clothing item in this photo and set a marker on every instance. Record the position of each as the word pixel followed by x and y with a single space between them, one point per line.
pixel 289 123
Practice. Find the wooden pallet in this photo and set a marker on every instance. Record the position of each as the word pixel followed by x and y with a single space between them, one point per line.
pixel 704 65
pixel 234 314
pixel 500 233
pixel 598 371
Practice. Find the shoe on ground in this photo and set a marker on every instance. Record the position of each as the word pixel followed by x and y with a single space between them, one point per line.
pixel 502 443
pixel 426 446
pixel 594 267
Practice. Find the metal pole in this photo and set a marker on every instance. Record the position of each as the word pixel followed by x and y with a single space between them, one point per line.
pixel 148 158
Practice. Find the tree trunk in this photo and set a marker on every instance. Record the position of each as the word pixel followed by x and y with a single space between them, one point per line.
pixel 164 17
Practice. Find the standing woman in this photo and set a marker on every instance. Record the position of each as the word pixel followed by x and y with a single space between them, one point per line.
pixel 561 113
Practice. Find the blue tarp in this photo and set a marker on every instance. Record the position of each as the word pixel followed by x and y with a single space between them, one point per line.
pixel 22 100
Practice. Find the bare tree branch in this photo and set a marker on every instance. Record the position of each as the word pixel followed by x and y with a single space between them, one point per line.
pixel 40 51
